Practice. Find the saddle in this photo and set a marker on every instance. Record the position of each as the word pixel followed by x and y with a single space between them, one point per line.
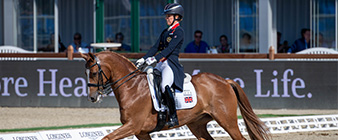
pixel 183 100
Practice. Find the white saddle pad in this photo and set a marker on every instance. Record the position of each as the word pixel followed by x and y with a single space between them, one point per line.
pixel 184 100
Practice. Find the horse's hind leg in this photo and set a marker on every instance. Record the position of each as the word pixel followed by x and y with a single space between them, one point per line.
pixel 145 136
pixel 199 128
pixel 225 114
pixel 229 124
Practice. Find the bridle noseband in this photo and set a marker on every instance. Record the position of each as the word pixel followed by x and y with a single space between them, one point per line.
pixel 107 86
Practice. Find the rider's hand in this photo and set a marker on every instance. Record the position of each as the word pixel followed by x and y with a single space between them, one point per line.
pixel 150 60
pixel 140 62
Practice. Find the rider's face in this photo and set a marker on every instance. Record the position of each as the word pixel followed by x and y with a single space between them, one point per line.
pixel 169 19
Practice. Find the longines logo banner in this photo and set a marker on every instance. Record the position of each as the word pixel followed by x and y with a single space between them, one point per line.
pixel 76 134
pixel 24 136
pixel 268 84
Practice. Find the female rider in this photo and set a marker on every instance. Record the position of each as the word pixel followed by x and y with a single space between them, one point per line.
pixel 168 45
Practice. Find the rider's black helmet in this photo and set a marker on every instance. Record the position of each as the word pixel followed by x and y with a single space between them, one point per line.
pixel 174 9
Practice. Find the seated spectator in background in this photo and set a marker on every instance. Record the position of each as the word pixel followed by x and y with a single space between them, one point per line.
pixel 321 41
pixel 333 44
pixel 50 46
pixel 224 47
pixel 109 40
pixel 284 48
pixel 279 36
pixel 78 45
pixel 119 39
pixel 281 48
pixel 246 44
pixel 302 43
pixel 197 46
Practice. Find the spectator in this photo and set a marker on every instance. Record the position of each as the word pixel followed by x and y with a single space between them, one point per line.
pixel 119 39
pixel 224 47
pixel 302 43
pixel 285 47
pixel 279 36
pixel 281 48
pixel 197 46
pixel 321 41
pixel 333 44
pixel 246 44
pixel 50 46
pixel 79 45
pixel 109 39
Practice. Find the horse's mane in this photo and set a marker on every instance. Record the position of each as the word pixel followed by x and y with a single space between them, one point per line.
pixel 118 55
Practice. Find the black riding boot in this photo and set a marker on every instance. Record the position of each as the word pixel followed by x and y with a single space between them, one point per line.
pixel 173 121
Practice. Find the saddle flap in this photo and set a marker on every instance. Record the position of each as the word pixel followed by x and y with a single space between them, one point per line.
pixel 184 100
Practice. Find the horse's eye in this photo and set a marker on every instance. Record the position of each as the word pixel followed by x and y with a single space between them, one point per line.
pixel 94 73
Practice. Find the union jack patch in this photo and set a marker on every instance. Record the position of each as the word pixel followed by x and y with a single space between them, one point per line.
pixel 188 99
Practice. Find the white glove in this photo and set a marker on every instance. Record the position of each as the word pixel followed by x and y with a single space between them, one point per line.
pixel 140 62
pixel 150 60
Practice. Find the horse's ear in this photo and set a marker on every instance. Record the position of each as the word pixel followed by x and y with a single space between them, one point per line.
pixel 84 56
pixel 91 55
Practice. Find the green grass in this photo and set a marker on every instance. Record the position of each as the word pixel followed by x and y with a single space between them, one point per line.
pixel 59 127
pixel 116 124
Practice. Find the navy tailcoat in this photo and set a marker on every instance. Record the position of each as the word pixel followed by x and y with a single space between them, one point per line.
pixel 169 45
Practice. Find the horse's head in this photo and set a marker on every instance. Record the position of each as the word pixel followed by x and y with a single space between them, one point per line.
pixel 98 74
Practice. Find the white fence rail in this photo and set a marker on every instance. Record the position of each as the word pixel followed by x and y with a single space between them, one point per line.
pixel 276 125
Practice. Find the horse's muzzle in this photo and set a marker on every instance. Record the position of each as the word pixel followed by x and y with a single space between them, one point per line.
pixel 96 98
pixel 92 99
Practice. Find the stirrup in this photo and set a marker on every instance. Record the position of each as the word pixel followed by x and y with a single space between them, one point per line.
pixel 173 121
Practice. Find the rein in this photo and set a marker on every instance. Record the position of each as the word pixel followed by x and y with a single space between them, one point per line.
pixel 107 86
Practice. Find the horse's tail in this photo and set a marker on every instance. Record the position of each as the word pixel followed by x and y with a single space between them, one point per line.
pixel 257 130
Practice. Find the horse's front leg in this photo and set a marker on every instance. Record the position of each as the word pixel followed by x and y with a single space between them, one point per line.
pixel 122 132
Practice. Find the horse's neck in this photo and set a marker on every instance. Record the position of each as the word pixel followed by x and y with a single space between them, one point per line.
pixel 119 65
pixel 135 89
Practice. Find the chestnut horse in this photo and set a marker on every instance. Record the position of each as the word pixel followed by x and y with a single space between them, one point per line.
pixel 217 100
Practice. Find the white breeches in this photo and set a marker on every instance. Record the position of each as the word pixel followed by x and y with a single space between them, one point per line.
pixel 167 74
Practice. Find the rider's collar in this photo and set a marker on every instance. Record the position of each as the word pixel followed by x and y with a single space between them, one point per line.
pixel 174 26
